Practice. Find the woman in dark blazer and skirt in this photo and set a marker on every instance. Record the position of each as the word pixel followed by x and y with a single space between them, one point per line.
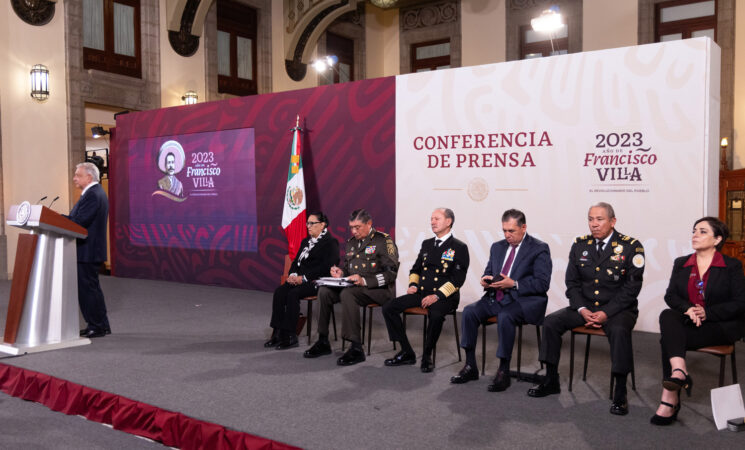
pixel 318 252
pixel 706 296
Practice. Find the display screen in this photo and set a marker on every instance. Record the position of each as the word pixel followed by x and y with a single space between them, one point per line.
pixel 198 188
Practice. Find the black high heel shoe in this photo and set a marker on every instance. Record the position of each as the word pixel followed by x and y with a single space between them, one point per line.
pixel 676 384
pixel 662 420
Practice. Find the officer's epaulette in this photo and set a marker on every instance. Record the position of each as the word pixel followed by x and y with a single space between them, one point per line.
pixel 581 238
pixel 623 237
pixel 384 234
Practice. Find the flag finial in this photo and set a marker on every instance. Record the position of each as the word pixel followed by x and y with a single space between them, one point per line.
pixel 297 120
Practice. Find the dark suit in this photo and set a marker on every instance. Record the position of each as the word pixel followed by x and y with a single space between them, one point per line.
pixel 437 270
pixel 91 212
pixel 610 282
pixel 531 269
pixel 286 302
pixel 724 306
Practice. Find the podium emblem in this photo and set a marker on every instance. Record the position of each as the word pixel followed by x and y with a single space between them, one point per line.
pixel 24 212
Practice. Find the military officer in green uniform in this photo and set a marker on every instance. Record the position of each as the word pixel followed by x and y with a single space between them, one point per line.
pixel 603 279
pixel 371 264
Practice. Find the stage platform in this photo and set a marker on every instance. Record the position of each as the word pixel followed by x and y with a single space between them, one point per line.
pixel 197 350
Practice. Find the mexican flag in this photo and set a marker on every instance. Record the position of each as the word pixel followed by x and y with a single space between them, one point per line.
pixel 293 216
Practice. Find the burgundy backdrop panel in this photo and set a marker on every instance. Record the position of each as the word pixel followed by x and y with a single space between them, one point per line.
pixel 348 160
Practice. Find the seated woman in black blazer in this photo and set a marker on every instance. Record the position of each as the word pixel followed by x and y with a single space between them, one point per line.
pixel 318 252
pixel 706 297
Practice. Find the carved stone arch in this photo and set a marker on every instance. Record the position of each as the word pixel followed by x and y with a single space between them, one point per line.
pixel 185 24
pixel 306 31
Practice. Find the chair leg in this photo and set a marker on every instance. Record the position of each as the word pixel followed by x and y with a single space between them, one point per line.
pixel 333 322
pixel 483 349
pixel 364 321
pixel 734 367
pixel 571 361
pixel 457 337
pixel 722 362
pixel 587 355
pixel 310 319
pixel 519 348
pixel 369 332
pixel 538 335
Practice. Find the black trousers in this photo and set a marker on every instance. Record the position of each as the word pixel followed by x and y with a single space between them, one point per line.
pixel 618 329
pixel 286 305
pixel 90 297
pixel 677 334
pixel 392 313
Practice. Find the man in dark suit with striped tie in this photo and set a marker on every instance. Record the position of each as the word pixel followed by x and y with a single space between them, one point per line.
pixel 516 280
pixel 91 212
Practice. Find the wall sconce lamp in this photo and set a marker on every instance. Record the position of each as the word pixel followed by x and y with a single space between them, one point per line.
pixel 723 164
pixel 99 132
pixel 549 22
pixel 39 82
pixel 324 63
pixel 190 98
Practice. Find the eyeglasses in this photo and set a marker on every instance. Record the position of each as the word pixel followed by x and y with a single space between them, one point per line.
pixel 310 224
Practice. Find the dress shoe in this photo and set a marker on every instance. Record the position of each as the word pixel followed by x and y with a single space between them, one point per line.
pixel 662 420
pixel 288 342
pixel 676 384
pixel 272 342
pixel 466 374
pixel 619 407
pixel 353 356
pixel 318 349
pixel 427 365
pixel 544 389
pixel 401 359
pixel 501 382
pixel 94 334
pixel 85 331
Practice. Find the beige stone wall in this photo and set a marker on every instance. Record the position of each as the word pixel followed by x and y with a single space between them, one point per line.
pixel 609 24
pixel 737 141
pixel 280 80
pixel 482 27
pixel 382 38
pixel 34 134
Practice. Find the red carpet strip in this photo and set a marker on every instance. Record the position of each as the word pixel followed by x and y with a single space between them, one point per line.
pixel 170 428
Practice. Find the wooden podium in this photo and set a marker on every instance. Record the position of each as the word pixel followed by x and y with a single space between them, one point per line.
pixel 43 306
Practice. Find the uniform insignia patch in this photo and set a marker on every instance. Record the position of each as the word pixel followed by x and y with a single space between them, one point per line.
pixel 639 250
pixel 638 261
pixel 584 253
pixel 618 249
pixel 370 249
pixel 448 254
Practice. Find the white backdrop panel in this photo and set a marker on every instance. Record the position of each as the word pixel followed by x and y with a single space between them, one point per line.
pixel 637 127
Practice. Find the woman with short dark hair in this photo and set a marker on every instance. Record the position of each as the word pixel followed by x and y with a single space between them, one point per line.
pixel 318 252
pixel 706 296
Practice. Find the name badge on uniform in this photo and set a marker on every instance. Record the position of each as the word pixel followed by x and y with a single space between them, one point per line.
pixel 448 254
pixel 370 249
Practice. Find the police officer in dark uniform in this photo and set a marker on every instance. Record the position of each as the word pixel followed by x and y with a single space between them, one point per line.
pixel 603 278
pixel 434 283
pixel 371 264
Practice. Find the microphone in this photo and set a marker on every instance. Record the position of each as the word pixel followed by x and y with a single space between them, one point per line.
pixel 41 199
pixel 55 199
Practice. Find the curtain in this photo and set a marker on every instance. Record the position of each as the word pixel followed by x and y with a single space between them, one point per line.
pixel 245 59
pixel 124 29
pixel 223 53
pixel 93 24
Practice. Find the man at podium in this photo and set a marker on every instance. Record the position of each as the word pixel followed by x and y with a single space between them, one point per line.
pixel 91 212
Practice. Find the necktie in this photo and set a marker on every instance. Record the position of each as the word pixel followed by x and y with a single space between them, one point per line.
pixel 601 244
pixel 438 242
pixel 506 270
